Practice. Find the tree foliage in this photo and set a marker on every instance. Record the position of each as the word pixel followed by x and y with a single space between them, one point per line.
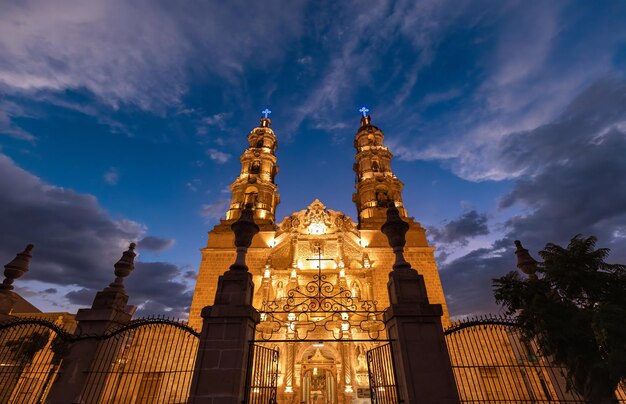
pixel 574 305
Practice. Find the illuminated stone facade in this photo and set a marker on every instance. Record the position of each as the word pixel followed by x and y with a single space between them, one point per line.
pixel 355 257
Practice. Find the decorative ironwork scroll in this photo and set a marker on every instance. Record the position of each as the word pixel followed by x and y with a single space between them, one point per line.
pixel 320 305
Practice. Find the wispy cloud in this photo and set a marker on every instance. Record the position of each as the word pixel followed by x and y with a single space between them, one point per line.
pixel 153 243
pixel 574 182
pixel 218 156
pixel 9 110
pixel 218 120
pixel 111 176
pixel 135 53
pixel 215 210
pixel 538 65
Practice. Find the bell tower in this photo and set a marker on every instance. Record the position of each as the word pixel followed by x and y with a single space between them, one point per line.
pixel 376 184
pixel 255 184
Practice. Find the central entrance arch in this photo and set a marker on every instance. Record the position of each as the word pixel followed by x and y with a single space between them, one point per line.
pixel 319 376
pixel 322 332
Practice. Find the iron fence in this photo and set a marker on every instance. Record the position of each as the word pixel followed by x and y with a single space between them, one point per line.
pixel 380 366
pixel 492 363
pixel 147 361
pixel 262 375
pixel 31 352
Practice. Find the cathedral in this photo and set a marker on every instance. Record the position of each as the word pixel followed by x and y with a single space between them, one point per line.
pixel 320 308
pixel 320 277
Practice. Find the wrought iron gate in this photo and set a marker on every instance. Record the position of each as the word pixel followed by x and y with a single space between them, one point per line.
pixel 262 375
pixel 381 369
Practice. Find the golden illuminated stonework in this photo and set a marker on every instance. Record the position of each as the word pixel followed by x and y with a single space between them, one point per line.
pixel 319 276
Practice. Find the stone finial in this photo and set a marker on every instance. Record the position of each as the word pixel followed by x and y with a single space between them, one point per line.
pixel 244 229
pixel 395 229
pixel 124 267
pixel 16 268
pixel 525 262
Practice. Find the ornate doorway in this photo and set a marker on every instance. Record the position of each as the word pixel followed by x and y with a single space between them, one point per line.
pixel 323 328
pixel 319 379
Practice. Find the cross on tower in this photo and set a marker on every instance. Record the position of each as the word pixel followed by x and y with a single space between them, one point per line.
pixel 364 111
pixel 266 112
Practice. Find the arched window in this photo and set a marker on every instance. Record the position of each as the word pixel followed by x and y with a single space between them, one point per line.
pixel 375 166
pixel 259 143
pixel 255 168
pixel 382 197
pixel 250 196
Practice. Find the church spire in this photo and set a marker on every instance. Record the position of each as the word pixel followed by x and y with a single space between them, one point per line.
pixel 376 185
pixel 255 184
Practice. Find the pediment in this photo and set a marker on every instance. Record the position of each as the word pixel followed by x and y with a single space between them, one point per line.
pixel 316 219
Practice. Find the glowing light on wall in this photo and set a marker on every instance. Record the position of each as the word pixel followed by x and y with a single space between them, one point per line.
pixel 317 228
pixel 266 275
pixel 342 273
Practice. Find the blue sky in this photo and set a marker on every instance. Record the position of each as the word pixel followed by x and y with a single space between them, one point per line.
pixel 124 121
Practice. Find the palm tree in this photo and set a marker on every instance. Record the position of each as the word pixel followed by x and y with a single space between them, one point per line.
pixel 574 305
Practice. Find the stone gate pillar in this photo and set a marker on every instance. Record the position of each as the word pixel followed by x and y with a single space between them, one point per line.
pixel 109 310
pixel 422 362
pixel 228 328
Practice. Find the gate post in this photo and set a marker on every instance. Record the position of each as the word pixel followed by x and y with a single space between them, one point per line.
pixel 107 311
pixel 421 359
pixel 228 327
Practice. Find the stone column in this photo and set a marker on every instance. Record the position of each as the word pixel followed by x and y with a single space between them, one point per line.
pixel 109 310
pixel 13 270
pixel 346 354
pixel 422 362
pixel 294 251
pixel 290 367
pixel 228 328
